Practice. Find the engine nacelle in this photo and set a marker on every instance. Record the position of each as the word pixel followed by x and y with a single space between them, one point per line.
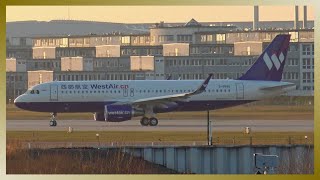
pixel 98 116
pixel 118 113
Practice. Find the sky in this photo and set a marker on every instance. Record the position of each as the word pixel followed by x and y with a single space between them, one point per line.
pixel 152 14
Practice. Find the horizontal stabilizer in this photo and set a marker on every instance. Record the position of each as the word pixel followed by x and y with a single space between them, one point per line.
pixel 273 88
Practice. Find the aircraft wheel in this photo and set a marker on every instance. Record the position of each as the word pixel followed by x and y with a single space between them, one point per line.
pixel 144 121
pixel 153 121
pixel 53 123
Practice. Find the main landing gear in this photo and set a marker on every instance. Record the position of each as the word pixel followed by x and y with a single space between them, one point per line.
pixel 53 121
pixel 149 121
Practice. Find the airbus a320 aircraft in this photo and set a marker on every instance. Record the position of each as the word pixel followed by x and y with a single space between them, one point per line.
pixel 118 101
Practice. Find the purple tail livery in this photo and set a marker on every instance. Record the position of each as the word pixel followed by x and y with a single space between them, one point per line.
pixel 269 66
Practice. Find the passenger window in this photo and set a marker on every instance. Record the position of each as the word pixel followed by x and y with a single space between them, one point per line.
pixel 32 92
pixel 37 91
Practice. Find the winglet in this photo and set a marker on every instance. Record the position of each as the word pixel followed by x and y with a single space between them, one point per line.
pixel 203 86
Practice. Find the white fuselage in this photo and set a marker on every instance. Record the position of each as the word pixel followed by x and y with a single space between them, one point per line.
pixel 86 96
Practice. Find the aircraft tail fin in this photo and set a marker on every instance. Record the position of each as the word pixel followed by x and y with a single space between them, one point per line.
pixel 269 66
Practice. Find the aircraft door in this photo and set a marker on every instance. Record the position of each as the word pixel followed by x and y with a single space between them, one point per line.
pixel 53 92
pixel 125 92
pixel 240 90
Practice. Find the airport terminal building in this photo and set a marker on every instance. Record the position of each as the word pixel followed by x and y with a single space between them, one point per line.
pixel 189 51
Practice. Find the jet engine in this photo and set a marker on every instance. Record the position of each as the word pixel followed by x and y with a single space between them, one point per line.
pixel 118 113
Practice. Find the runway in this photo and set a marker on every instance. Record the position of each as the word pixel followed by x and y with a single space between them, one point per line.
pixel 165 125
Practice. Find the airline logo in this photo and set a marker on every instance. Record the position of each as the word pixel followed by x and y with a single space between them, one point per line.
pixel 273 60
pixel 94 86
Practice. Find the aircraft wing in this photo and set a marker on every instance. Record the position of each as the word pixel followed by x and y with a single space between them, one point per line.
pixel 167 99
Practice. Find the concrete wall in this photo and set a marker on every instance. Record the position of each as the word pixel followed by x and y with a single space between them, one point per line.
pixel 38 77
pixel 44 52
pixel 14 65
pixel 226 159
pixel 108 51
pixel 176 49
pixel 11 65
pixel 247 48
pixel 141 63
pixel 76 64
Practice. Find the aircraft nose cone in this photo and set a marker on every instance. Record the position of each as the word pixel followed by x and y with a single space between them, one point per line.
pixel 19 102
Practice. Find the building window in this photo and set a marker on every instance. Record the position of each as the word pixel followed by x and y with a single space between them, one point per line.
pixel 221 38
pixel 125 40
pixel 165 38
pixel 206 38
pixel 184 38
pixel 307 77
pixel 307 63
pixel 293 62
pixel 306 50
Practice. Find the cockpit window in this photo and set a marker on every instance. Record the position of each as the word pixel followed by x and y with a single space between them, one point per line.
pixel 34 92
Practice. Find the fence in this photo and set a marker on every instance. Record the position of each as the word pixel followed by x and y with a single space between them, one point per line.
pixel 228 141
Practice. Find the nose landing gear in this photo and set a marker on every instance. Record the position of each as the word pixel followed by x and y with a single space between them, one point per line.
pixel 53 121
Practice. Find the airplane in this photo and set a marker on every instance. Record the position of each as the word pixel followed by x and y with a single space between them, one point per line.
pixel 117 101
